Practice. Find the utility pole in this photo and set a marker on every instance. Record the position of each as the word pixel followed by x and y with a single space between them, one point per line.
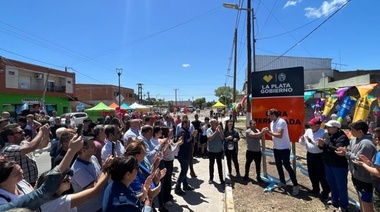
pixel 249 60
pixel 235 67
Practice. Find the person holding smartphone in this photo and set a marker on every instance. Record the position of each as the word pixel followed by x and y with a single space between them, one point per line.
pixel 113 146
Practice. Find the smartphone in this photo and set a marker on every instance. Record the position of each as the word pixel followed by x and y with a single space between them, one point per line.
pixel 79 129
pixel 113 149
pixel 165 132
pixel 355 159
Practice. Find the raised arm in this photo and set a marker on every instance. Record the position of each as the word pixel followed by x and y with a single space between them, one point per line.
pixel 41 195
pixel 42 138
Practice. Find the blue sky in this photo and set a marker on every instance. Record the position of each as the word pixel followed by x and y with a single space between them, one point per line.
pixel 182 44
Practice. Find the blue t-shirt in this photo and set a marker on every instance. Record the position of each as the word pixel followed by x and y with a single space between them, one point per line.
pixel 376 180
pixel 118 197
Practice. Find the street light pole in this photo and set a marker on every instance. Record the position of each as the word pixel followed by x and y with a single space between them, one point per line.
pixel 250 25
pixel 119 71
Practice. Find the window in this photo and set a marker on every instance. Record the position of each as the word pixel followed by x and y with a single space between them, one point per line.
pixel 79 115
pixel 11 72
pixel 50 86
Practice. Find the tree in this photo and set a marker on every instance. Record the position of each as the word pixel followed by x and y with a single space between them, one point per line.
pixel 199 102
pixel 225 94
pixel 210 104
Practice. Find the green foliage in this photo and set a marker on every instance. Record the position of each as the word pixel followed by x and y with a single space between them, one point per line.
pixel 225 94
pixel 210 104
pixel 199 102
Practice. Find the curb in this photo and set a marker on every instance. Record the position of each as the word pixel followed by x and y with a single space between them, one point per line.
pixel 228 193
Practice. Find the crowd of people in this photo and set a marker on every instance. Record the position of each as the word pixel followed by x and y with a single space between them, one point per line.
pixel 126 164
pixel 122 165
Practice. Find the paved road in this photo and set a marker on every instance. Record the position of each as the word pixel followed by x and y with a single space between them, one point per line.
pixel 205 197
pixel 43 162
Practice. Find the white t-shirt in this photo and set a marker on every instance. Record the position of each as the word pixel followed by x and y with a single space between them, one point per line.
pixel 61 204
pixel 284 142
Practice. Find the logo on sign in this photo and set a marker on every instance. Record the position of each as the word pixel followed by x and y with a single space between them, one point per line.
pixel 281 77
pixel 278 86
pixel 268 78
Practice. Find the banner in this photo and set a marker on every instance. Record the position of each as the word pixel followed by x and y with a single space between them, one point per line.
pixel 345 107
pixel 307 95
pixel 282 89
pixel 341 91
pixel 329 104
pixel 364 90
pixel 363 107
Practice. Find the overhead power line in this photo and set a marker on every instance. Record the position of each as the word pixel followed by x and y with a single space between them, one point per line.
pixel 306 36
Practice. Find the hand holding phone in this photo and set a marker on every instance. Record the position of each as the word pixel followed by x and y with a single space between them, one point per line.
pixel 79 129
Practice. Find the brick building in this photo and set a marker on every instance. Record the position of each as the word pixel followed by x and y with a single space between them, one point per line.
pixel 95 93
pixel 23 83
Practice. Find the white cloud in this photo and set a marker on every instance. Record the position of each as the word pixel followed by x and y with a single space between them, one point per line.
pixel 326 8
pixel 185 65
pixel 292 3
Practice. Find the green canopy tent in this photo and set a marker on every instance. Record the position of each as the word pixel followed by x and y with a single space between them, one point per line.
pixel 99 111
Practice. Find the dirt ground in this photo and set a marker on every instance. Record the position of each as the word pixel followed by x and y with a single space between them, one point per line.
pixel 250 196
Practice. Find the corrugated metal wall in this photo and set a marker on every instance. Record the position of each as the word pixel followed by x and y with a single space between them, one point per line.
pixel 267 62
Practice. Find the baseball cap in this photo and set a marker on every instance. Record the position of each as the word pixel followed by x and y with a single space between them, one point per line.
pixel 314 121
pixel 333 123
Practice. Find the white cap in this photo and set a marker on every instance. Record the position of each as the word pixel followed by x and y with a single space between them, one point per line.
pixel 333 123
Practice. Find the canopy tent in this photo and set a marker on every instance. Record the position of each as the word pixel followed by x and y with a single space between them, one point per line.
pixel 218 105
pixel 113 105
pixel 99 111
pixel 100 107
pixel 139 107
pixel 125 106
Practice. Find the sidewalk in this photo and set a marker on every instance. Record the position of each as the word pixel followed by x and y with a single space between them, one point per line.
pixel 205 197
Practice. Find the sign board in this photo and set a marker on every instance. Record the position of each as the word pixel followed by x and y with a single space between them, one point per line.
pixel 282 89
pixel 121 98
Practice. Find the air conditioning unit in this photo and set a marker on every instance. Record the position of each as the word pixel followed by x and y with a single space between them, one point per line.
pixel 38 76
